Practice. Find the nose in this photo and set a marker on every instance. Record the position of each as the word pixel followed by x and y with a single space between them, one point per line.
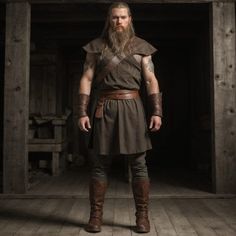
pixel 119 20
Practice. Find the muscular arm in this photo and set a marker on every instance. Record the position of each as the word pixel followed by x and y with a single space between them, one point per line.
pixel 149 76
pixel 152 88
pixel 85 89
pixel 88 73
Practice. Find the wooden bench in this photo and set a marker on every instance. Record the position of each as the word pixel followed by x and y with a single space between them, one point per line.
pixel 57 145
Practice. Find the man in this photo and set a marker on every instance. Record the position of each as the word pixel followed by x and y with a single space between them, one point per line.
pixel 116 63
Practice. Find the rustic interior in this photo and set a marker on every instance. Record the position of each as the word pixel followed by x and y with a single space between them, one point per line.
pixel 183 66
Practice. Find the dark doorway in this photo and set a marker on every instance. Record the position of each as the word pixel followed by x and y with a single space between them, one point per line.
pixel 181 150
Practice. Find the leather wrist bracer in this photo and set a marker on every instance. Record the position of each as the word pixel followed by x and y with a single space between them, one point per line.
pixel 155 104
pixel 83 105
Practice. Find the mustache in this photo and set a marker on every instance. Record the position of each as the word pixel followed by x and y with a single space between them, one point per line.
pixel 119 26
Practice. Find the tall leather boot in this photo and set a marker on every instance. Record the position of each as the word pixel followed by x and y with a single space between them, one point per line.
pixel 141 198
pixel 97 191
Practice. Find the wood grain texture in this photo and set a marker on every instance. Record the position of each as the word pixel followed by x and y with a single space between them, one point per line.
pixel 16 97
pixel 168 217
pixel 223 34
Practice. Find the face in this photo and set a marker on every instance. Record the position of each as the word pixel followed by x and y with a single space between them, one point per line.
pixel 120 19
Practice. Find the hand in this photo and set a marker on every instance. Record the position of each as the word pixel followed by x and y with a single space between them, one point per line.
pixel 155 123
pixel 84 124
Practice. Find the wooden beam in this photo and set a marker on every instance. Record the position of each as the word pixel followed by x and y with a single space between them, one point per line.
pixel 16 98
pixel 111 1
pixel 224 97
pixel 62 13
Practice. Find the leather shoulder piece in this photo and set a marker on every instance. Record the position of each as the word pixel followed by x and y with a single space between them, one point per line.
pixel 142 47
pixel 94 46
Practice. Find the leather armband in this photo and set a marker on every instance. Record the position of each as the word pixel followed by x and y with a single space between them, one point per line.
pixel 155 104
pixel 83 105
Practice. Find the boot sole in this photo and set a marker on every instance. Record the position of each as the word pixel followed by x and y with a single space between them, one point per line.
pixel 93 230
pixel 142 231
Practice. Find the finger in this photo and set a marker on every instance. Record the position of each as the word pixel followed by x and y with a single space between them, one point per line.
pixel 151 124
pixel 156 127
pixel 153 130
pixel 85 126
pixel 82 126
pixel 89 125
pixel 86 130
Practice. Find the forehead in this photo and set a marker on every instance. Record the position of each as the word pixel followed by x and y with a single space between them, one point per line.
pixel 119 12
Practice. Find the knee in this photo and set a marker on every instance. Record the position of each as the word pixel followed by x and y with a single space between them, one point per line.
pixel 99 168
pixel 139 167
pixel 98 173
pixel 139 172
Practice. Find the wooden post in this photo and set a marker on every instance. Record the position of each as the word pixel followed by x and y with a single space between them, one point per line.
pixel 224 96
pixel 16 98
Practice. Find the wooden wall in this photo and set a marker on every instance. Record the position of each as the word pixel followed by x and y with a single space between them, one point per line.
pixel 2 49
pixel 224 96
pixel 16 98
pixel 48 90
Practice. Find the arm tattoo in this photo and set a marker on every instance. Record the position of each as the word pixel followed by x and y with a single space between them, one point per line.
pixel 150 65
pixel 87 65
pixel 89 62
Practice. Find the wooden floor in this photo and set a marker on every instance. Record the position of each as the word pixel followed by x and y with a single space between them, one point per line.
pixel 65 217
pixel 180 204
pixel 164 182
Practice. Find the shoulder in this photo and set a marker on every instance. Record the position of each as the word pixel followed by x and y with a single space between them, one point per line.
pixel 142 47
pixel 94 46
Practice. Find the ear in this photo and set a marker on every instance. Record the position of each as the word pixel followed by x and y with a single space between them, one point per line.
pixel 130 19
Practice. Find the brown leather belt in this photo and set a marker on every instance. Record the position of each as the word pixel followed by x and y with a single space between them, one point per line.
pixel 117 94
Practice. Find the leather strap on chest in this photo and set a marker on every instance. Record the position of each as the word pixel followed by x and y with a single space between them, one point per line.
pixel 109 67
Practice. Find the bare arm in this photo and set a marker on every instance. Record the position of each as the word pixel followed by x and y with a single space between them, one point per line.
pixel 85 89
pixel 152 87
pixel 149 76
pixel 88 73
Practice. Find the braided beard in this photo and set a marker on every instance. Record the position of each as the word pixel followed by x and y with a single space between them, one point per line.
pixel 119 41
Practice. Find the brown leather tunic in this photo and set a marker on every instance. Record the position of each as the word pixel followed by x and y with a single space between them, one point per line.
pixel 123 128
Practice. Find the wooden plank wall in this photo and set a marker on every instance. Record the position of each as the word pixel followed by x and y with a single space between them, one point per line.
pixel 224 89
pixel 48 87
pixel 16 97
pixel 2 59
pixel 43 84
